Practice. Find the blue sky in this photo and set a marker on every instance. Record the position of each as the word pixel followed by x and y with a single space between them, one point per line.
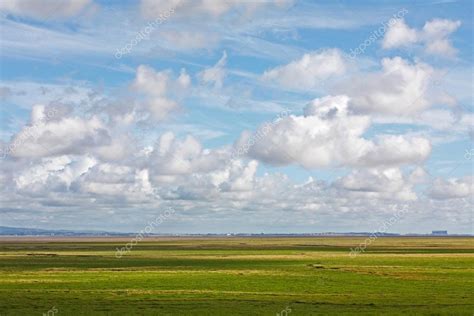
pixel 244 116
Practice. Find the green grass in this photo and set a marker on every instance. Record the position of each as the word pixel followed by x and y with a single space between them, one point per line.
pixel 238 276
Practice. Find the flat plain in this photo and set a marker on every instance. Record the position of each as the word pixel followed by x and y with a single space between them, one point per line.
pixel 237 276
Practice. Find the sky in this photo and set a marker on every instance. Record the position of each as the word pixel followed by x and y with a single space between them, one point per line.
pixel 285 116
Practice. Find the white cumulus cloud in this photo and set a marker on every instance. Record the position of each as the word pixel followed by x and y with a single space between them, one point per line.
pixel 309 71
pixel 328 135
pixel 160 90
pixel 453 188
pixel 434 36
pixel 400 88
pixel 216 73
pixel 387 183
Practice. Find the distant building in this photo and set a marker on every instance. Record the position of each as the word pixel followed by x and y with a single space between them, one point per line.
pixel 439 232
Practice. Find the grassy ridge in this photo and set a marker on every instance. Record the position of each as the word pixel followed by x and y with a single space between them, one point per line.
pixel 237 276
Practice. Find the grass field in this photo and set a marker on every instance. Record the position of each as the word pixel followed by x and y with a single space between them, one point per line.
pixel 237 276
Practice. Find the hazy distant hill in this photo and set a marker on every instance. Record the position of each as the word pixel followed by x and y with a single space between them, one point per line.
pixel 20 231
